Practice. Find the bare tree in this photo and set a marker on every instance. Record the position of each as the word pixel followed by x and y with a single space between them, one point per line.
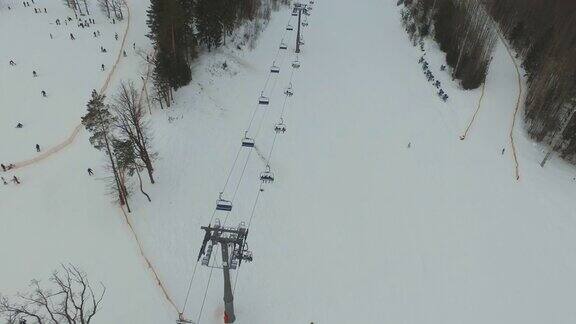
pixel 132 125
pixel 105 6
pixel 71 299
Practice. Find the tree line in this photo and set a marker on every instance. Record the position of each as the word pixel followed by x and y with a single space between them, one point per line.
pixel 179 29
pixel 543 33
pixel 462 29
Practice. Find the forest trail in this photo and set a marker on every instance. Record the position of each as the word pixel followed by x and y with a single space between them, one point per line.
pixel 70 139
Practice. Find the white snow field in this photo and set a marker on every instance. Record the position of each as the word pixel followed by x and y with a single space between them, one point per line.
pixel 358 226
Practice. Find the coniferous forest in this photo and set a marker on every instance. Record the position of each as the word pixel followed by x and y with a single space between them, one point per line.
pixel 180 29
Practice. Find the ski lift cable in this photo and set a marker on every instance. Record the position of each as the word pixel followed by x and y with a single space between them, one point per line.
pixel 237 187
pixel 205 295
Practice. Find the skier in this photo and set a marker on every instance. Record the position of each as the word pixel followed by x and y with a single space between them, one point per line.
pixel 442 67
pixel 15 180
pixel 37 148
pixel 102 67
pixel 72 36
pixel 45 10
pixel 57 22
pixel 409 144
pixel 34 74
pixel 124 53
pixel 43 93
pixel 90 172
pixel 4 180
pixel 12 63
pixel 95 34
pixel 445 97
pixel 51 36
pixel 19 125
pixel 503 150
pixel 116 36
pixel 3 167
pixel 437 84
pixel 134 45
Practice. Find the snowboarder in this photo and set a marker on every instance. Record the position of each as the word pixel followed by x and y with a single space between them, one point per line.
pixel 34 74
pixel 72 36
pixel 116 36
pixel 15 180
pixel 43 93
pixel 102 67
pixel 19 125
pixel 12 63
pixel 90 172
pixel 37 148
pixel 3 167
pixel 4 180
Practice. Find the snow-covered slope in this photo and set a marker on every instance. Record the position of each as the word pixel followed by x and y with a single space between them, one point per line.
pixel 358 227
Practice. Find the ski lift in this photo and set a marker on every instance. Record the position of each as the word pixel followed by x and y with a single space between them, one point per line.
pixel 274 68
pixel 280 127
pixel 283 46
pixel 263 100
pixel 182 320
pixel 289 27
pixel 223 204
pixel 294 12
pixel 247 141
pixel 289 91
pixel 296 64
pixel 267 176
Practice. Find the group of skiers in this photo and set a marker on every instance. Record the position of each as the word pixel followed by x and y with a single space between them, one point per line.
pixel 430 77
pixel 10 166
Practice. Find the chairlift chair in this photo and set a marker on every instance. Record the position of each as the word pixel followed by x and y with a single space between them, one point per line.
pixel 283 46
pixel 305 23
pixel 296 64
pixel 182 320
pixel 267 176
pixel 294 13
pixel 274 68
pixel 263 100
pixel 247 141
pixel 223 204
pixel 289 91
pixel 289 27
pixel 280 127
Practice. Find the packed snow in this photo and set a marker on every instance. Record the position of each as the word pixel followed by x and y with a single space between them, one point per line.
pixel 379 213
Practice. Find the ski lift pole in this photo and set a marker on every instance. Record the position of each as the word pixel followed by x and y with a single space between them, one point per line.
pixel 298 34
pixel 229 316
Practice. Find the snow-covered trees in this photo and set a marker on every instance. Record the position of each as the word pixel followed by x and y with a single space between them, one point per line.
pixel 70 299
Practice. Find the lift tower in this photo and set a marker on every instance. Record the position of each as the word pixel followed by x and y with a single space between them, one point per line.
pixel 232 241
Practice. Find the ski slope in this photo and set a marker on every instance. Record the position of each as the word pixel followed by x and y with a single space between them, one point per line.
pixel 358 227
